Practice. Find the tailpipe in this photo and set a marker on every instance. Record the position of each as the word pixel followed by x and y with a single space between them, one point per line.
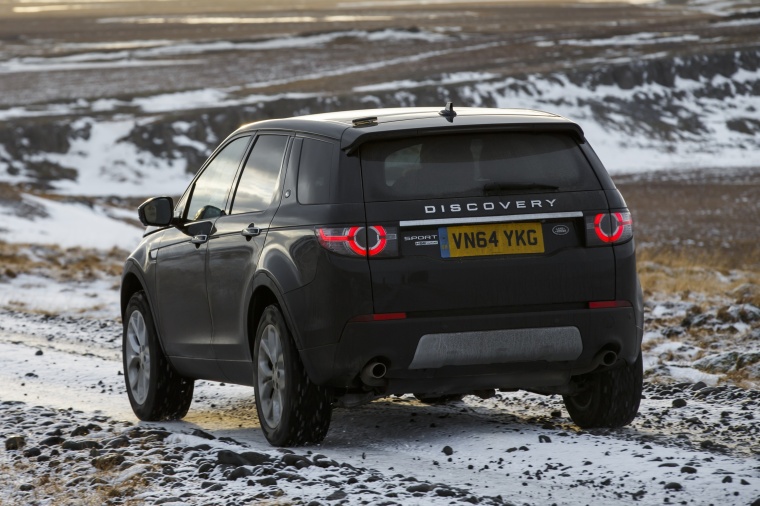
pixel 373 373
pixel 604 358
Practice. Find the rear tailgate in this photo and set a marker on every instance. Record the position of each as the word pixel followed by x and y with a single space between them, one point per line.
pixel 475 236
pixel 521 257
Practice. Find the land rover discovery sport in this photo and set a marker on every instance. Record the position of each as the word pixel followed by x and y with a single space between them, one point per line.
pixel 332 259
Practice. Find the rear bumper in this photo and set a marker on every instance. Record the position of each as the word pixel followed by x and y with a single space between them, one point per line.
pixel 531 350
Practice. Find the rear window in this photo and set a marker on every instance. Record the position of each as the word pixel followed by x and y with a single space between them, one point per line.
pixel 471 165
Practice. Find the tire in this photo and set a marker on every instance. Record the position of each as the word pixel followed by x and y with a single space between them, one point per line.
pixel 156 391
pixel 609 398
pixel 439 399
pixel 292 410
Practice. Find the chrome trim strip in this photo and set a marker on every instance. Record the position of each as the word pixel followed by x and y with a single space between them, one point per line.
pixel 490 219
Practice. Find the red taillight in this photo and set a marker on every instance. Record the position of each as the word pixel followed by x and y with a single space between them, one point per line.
pixel 606 304
pixel 373 241
pixel 609 228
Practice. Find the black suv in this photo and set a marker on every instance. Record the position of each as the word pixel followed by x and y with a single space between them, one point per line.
pixel 335 258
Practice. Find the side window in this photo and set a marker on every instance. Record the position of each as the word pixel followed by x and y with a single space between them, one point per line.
pixel 213 185
pixel 315 171
pixel 255 191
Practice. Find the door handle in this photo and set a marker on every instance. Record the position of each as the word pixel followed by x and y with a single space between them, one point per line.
pixel 251 231
pixel 199 239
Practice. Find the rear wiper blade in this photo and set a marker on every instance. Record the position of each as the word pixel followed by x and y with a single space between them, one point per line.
pixel 491 188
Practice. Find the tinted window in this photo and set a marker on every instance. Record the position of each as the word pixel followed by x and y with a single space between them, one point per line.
pixel 262 170
pixel 315 172
pixel 213 185
pixel 471 165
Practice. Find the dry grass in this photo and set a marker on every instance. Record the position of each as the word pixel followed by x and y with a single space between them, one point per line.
pixel 63 264
pixel 681 273
pixel 696 231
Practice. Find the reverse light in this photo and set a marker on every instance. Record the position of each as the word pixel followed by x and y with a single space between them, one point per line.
pixel 372 241
pixel 609 228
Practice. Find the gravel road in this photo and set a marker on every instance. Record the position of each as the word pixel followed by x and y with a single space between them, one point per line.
pixel 66 424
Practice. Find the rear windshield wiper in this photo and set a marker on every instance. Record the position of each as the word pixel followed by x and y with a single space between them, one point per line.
pixel 495 188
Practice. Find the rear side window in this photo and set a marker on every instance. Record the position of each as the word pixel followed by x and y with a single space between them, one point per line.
pixel 260 175
pixel 472 165
pixel 316 171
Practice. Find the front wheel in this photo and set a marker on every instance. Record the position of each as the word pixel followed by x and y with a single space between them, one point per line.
pixel 608 398
pixel 156 390
pixel 292 410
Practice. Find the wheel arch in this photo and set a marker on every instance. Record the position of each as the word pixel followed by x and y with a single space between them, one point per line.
pixel 266 292
pixel 131 283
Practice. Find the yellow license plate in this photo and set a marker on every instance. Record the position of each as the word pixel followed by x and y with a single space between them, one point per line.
pixel 487 240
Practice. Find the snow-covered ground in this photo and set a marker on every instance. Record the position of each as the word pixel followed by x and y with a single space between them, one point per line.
pixel 690 442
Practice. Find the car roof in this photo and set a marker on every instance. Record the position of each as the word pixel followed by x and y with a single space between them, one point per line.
pixel 353 128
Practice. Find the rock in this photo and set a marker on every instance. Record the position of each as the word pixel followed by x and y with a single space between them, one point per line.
pixel 26 487
pixel 158 435
pixel 420 487
pixel 445 492
pixel 297 461
pixel 15 442
pixel 80 431
pixel 688 470
pixel 267 482
pixel 258 459
pixel 240 472
pixel 32 452
pixel 38 353
pixel 230 458
pixel 448 451
pixel 679 403
pixel 673 486
pixel 80 445
pixel 544 439
pixel 336 496
pixel 727 479
pixel 202 434
pixel 205 467
pixel 118 442
pixel 107 462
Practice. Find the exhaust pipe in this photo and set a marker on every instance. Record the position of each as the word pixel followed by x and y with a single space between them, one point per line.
pixel 604 358
pixel 373 373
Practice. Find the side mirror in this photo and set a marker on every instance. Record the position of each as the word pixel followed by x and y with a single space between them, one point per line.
pixel 156 212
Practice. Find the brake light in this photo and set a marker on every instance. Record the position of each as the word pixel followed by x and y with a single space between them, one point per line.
pixel 372 241
pixel 609 228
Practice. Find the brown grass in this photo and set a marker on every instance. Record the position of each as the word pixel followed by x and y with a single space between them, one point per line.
pixel 64 264
pixel 676 272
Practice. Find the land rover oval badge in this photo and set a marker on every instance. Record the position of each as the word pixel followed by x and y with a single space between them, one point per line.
pixel 560 230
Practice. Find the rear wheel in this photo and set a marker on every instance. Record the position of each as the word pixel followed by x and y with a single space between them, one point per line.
pixel 608 398
pixel 292 410
pixel 156 391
